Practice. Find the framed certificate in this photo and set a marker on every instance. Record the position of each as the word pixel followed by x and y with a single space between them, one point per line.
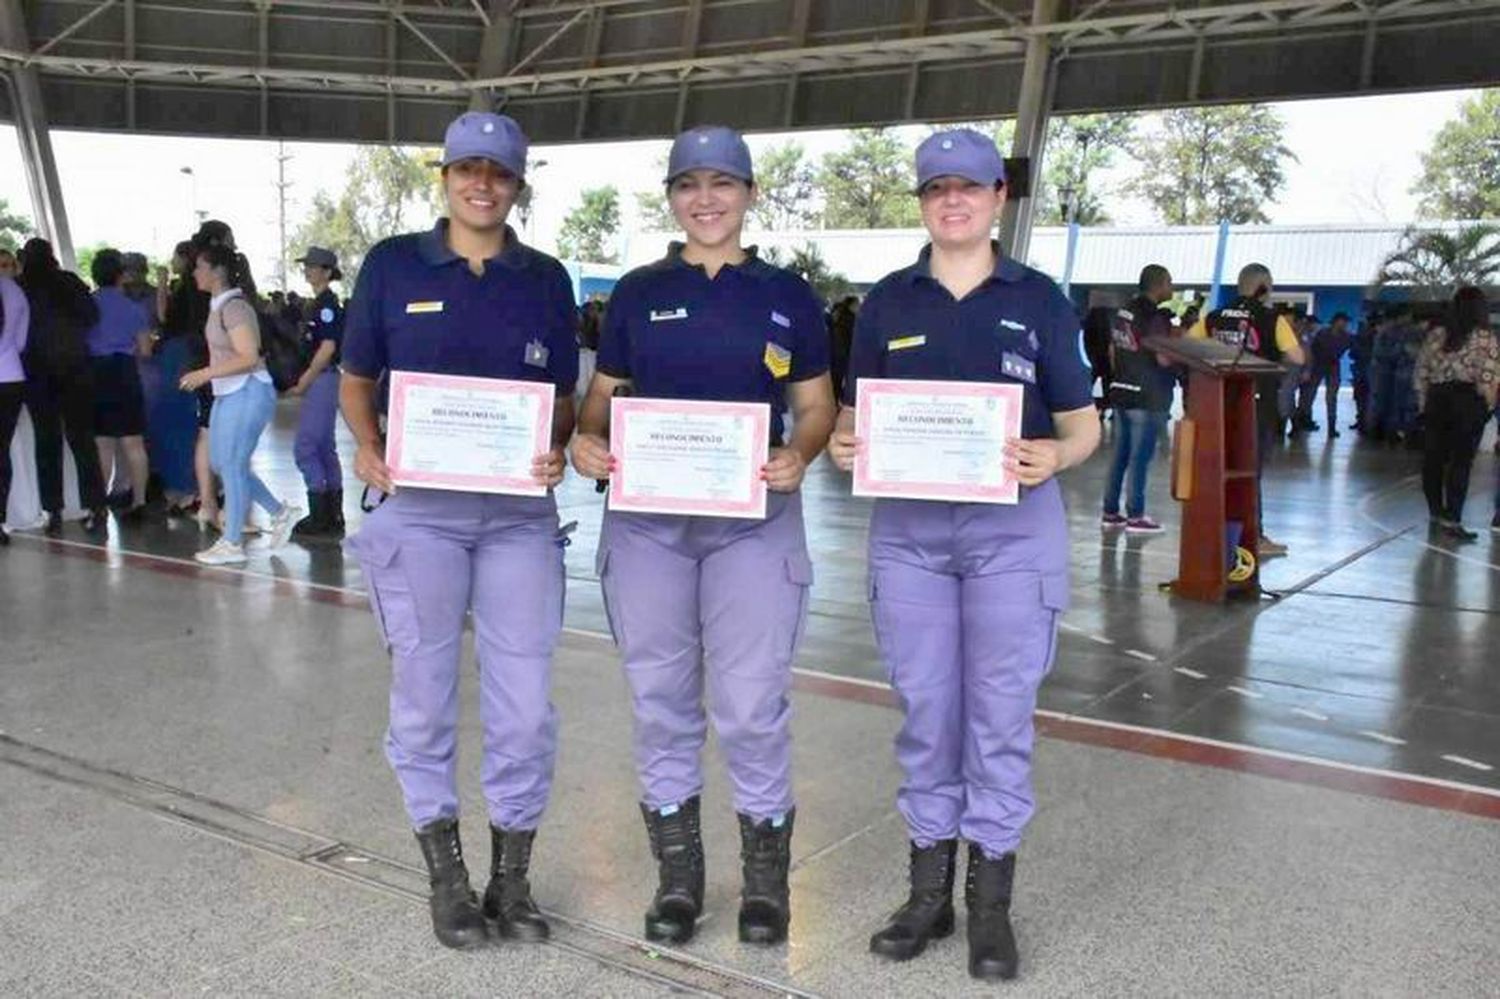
pixel 936 440
pixel 692 458
pixel 476 435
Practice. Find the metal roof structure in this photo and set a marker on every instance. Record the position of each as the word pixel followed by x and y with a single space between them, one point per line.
pixel 397 70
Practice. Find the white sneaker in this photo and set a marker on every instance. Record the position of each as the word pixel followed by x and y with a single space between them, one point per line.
pixel 222 552
pixel 282 524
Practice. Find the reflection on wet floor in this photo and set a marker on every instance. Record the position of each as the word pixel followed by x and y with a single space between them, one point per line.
pixel 1380 650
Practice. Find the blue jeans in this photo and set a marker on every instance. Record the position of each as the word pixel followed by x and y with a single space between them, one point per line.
pixel 1135 445
pixel 238 420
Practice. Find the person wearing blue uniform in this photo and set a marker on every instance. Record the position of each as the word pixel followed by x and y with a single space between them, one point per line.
pixel 711 602
pixel 467 298
pixel 316 455
pixel 965 596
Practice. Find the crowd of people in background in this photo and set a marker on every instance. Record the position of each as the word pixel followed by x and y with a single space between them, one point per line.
pixel 100 370
pixel 162 385
pixel 1423 376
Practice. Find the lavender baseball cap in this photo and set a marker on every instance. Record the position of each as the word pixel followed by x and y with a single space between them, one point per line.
pixel 486 136
pixel 710 147
pixel 960 152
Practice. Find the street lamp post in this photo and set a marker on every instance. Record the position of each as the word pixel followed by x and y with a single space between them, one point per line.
pixel 193 214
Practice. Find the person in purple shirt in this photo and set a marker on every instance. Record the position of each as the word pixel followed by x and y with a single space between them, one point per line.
pixel 966 597
pixel 119 402
pixel 15 319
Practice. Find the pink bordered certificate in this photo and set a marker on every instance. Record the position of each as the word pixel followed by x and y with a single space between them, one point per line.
pixel 935 440
pixel 473 435
pixel 692 458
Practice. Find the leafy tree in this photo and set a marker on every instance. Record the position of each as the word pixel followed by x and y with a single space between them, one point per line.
pixel 651 208
pixel 1078 147
pixel 1461 172
pixel 342 226
pixel 15 228
pixel 1436 262
pixel 590 228
pixel 1214 164
pixel 652 211
pixel 786 183
pixel 807 262
pixel 405 184
pixel 387 191
pixel 868 185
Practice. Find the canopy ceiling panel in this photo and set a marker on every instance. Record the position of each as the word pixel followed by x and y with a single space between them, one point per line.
pixel 395 70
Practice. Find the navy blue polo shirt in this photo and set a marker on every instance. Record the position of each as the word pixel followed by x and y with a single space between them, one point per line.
pixel 1016 327
pixel 740 336
pixel 324 321
pixel 418 307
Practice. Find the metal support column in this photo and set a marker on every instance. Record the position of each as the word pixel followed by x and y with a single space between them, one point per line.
pixel 1221 252
pixel 25 92
pixel 495 51
pixel 1032 113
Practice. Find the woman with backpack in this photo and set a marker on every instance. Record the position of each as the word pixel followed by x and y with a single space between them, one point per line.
pixel 59 382
pixel 244 401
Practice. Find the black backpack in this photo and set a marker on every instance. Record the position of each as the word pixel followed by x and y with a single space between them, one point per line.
pixel 281 347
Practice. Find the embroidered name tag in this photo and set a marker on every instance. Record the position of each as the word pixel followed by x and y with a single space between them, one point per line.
pixel 418 308
pixel 778 360
pixel 1011 324
pixel 905 342
pixel 1017 367
pixel 660 315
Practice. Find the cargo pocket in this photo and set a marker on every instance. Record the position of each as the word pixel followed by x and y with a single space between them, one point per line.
pixel 799 573
pixel 606 587
pixel 1054 601
pixel 391 596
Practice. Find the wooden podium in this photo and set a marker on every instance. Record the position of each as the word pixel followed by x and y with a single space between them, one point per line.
pixel 1214 468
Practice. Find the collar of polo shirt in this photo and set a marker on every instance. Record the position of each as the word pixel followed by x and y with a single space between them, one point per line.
pixel 752 266
pixel 1006 269
pixel 434 250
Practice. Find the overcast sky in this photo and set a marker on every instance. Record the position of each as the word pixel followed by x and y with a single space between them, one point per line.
pixel 1358 159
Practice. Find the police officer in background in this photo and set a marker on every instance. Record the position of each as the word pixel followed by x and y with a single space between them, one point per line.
pixel 466 298
pixel 966 596
pixel 709 601
pixel 316 455
pixel 1251 324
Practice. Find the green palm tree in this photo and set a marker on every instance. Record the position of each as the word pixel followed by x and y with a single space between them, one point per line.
pixel 1436 263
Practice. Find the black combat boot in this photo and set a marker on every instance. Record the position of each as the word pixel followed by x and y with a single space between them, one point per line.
pixel 508 900
pixel 456 916
pixel 677 845
pixel 315 524
pixel 992 945
pixel 335 514
pixel 928 912
pixel 766 856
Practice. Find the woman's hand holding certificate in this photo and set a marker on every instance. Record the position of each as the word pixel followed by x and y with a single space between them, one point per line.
pixel 484 435
pixel 688 457
pixel 937 440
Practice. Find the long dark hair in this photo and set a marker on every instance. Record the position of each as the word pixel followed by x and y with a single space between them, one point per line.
pixel 234 265
pixel 1470 311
